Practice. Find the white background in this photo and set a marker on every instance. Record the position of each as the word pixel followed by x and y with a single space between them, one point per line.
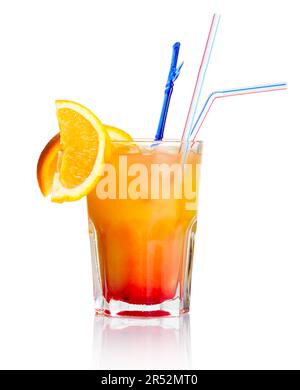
pixel 113 56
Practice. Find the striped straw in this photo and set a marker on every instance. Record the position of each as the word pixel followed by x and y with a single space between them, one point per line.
pixel 232 92
pixel 201 76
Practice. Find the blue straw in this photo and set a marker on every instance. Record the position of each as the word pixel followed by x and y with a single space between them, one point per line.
pixel 173 75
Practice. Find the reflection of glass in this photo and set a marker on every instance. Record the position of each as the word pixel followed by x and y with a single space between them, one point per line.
pixel 142 223
pixel 138 343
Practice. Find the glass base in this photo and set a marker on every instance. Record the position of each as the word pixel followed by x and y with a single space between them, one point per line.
pixel 170 308
pixel 179 304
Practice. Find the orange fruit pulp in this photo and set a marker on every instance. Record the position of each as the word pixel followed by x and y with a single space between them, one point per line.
pixel 48 161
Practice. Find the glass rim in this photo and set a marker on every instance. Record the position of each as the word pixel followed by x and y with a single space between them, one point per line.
pixel 163 141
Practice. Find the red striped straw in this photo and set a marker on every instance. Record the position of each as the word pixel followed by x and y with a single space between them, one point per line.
pixel 200 77
pixel 232 92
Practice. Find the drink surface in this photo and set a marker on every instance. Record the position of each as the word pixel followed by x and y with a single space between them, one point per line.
pixel 143 224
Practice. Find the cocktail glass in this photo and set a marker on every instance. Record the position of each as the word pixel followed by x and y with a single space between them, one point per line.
pixel 142 225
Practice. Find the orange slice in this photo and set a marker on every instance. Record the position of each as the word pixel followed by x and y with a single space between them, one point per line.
pixel 84 143
pixel 116 134
pixel 48 161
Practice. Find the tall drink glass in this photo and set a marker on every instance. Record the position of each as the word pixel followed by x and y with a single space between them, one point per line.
pixel 142 224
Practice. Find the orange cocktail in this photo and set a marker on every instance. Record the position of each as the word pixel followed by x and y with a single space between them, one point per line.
pixel 142 207
pixel 142 218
